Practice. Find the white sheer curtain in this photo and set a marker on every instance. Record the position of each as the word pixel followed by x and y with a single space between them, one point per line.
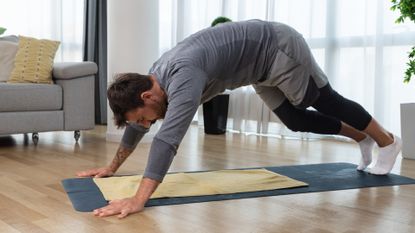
pixel 47 19
pixel 356 42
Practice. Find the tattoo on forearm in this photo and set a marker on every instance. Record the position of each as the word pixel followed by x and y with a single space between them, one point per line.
pixel 120 157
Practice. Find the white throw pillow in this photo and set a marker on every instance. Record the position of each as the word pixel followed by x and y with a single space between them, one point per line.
pixel 8 52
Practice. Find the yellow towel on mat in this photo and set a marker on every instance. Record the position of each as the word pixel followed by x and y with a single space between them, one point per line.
pixel 199 183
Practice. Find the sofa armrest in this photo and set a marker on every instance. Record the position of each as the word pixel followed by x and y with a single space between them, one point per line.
pixel 77 82
pixel 71 70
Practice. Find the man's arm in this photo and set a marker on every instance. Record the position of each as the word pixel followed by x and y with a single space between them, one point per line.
pixel 184 96
pixel 121 155
pixel 130 205
pixel 132 135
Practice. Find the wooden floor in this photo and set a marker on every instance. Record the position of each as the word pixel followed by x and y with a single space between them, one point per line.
pixel 32 198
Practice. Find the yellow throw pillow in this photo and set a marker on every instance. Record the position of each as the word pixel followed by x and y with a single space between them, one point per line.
pixel 34 61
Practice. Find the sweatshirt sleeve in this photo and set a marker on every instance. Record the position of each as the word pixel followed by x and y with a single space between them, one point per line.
pixel 184 93
pixel 133 134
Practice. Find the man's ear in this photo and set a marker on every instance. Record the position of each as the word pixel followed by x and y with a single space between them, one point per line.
pixel 146 95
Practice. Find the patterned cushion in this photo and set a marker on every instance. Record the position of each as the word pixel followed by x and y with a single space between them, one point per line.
pixel 34 61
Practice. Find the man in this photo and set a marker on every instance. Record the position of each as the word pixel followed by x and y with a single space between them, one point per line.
pixel 272 57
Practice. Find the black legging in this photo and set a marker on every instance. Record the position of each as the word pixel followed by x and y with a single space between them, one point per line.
pixel 332 108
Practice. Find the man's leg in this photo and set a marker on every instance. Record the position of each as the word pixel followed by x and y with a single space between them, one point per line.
pixel 365 142
pixel 328 120
pixel 333 104
pixel 304 120
pixel 316 122
pixel 294 118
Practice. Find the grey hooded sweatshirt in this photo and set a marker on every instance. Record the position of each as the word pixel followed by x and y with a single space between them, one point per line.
pixel 271 56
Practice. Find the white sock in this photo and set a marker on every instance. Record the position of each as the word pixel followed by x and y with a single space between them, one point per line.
pixel 366 146
pixel 387 157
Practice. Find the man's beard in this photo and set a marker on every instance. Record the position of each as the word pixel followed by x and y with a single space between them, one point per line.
pixel 160 108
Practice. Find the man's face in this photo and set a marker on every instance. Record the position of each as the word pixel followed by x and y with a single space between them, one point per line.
pixel 153 110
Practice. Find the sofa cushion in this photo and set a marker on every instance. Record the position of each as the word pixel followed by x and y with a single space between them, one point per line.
pixel 34 61
pixel 8 53
pixel 18 97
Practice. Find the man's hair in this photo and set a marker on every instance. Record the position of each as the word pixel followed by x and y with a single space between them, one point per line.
pixel 124 94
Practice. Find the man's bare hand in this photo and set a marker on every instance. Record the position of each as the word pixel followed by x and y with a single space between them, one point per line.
pixel 121 207
pixel 96 173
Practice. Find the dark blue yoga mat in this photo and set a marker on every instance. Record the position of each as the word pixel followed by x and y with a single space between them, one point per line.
pixel 85 195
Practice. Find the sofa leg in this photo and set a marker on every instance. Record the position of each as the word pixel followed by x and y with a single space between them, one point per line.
pixel 35 138
pixel 77 135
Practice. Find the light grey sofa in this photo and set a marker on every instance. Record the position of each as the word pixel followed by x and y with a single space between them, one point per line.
pixel 66 105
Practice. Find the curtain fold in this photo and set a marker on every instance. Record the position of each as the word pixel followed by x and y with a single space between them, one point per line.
pixel 95 49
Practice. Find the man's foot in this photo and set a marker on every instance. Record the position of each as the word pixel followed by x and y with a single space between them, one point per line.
pixel 366 146
pixel 387 157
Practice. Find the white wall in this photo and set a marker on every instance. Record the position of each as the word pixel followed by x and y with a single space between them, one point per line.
pixel 132 45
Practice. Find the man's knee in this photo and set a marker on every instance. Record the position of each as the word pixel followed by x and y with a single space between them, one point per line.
pixel 291 117
pixel 329 100
pixel 294 125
